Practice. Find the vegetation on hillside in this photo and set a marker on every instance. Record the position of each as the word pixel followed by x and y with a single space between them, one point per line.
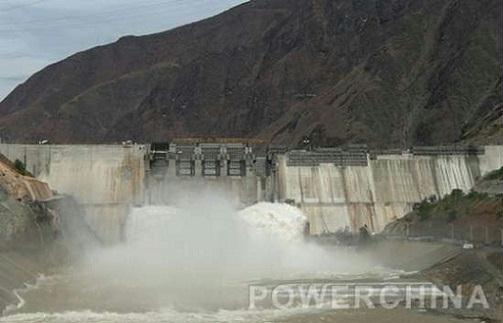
pixel 475 216
pixel 457 205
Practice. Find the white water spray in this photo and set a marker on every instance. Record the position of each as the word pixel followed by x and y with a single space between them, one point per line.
pixel 197 256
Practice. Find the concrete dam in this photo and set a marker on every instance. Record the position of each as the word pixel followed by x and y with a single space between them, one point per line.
pixel 337 188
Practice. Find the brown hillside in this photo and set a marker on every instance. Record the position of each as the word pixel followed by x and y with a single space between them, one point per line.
pixel 383 72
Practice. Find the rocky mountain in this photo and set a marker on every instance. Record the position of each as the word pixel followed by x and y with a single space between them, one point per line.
pixel 390 73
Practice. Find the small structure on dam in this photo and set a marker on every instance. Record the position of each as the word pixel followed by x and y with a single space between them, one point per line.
pixel 337 188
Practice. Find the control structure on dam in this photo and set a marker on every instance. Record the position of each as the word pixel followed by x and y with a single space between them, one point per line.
pixel 207 160
pixel 241 160
pixel 337 188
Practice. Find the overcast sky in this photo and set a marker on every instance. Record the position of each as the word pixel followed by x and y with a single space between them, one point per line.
pixel 35 33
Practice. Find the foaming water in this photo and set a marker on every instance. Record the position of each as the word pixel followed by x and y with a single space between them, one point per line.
pixel 281 221
pixel 191 261
pixel 19 291
pixel 165 316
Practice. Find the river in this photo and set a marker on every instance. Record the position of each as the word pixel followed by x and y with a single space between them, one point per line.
pixel 194 262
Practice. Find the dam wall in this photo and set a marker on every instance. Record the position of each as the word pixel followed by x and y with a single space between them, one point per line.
pixel 104 179
pixel 107 180
pixel 338 189
pixel 379 190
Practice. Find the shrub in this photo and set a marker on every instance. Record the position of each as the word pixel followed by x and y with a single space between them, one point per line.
pixel 423 209
pixel 20 167
pixel 457 194
pixel 473 195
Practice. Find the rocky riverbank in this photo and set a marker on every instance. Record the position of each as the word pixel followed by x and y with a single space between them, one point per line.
pixel 470 226
pixel 447 265
pixel 31 238
pixel 470 269
pixel 472 223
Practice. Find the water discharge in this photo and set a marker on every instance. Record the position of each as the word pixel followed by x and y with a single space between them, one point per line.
pixel 191 261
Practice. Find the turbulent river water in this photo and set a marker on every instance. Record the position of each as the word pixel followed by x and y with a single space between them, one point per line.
pixel 194 262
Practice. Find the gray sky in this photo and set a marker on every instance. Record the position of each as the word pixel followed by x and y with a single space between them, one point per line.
pixel 35 33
